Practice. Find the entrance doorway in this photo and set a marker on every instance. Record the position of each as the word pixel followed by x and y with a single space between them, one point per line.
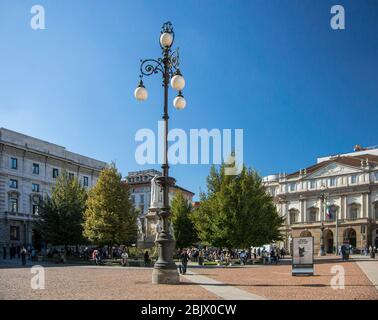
pixel 350 237
pixel 328 241
pixel 36 240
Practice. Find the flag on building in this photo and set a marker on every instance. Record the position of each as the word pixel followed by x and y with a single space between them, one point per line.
pixel 328 213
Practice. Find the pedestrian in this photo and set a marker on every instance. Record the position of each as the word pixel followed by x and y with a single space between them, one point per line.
pixel 343 252
pixel 184 261
pixel 146 258
pixel 23 256
pixel 124 258
pixel 4 252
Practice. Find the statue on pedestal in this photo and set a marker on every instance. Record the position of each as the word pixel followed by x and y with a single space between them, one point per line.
pixel 140 230
pixel 154 193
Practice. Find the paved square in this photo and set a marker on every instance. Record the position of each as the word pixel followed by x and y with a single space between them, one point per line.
pixel 250 282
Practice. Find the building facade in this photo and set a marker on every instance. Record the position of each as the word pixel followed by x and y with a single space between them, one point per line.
pixel 140 185
pixel 28 169
pixel 336 198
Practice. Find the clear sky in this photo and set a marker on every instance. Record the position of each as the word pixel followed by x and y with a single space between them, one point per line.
pixel 274 68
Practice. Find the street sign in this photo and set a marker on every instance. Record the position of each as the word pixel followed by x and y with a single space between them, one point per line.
pixel 303 256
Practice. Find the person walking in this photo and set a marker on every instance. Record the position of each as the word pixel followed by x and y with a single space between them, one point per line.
pixel 343 252
pixel 184 261
pixel 23 256
pixel 146 258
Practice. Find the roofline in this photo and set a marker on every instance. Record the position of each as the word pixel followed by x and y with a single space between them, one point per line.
pixel 53 156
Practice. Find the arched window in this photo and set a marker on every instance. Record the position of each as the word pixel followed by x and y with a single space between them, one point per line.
pixel 293 215
pixel 312 214
pixel 13 202
pixel 354 210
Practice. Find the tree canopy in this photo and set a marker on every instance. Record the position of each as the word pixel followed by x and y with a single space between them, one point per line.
pixel 110 217
pixel 184 231
pixel 60 216
pixel 236 211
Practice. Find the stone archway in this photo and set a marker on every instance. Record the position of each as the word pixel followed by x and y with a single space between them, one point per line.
pixel 305 233
pixel 350 236
pixel 328 241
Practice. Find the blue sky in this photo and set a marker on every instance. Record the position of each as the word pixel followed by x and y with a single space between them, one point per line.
pixel 273 68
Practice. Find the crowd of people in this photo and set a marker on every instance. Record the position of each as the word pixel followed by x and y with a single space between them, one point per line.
pixel 265 255
pixel 20 252
pixel 226 256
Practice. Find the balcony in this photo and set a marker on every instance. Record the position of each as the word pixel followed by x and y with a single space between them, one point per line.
pixel 18 216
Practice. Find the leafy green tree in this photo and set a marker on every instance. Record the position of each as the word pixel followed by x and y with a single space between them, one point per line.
pixel 184 231
pixel 236 212
pixel 60 216
pixel 110 217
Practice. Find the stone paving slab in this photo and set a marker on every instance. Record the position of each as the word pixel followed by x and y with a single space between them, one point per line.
pixel 370 268
pixel 276 282
pixel 221 289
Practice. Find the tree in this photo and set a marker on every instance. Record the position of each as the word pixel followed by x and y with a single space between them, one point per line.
pixel 236 211
pixel 60 216
pixel 184 231
pixel 110 217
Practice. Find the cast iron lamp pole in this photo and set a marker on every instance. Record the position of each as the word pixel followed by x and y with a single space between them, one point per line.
pixel 323 197
pixel 165 270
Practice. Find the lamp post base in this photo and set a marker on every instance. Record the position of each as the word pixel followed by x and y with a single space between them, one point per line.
pixel 165 276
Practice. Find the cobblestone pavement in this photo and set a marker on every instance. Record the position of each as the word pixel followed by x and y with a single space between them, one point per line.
pixel 89 283
pixel 276 281
pixel 271 282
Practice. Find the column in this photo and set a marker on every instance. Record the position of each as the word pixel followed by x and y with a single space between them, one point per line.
pixel 368 206
pixel 304 214
pixel 343 207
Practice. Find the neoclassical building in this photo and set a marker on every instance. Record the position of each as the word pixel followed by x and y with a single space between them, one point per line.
pixel 140 185
pixel 28 169
pixel 338 194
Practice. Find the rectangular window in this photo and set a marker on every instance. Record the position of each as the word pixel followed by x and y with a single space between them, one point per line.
pixel 35 168
pixel 133 199
pixel 71 175
pixel 35 209
pixel 13 205
pixel 55 173
pixel 312 184
pixel 376 176
pixel 332 182
pixel 353 179
pixel 142 198
pixel 14 233
pixel 292 186
pixel 14 163
pixel 13 183
pixel 35 187
pixel 85 182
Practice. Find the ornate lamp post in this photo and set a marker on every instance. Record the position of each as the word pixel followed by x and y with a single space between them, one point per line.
pixel 165 270
pixel 323 198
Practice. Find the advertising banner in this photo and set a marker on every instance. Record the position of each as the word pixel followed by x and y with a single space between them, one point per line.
pixel 303 256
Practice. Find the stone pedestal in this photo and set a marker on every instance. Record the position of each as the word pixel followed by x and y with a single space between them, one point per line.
pixel 165 276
